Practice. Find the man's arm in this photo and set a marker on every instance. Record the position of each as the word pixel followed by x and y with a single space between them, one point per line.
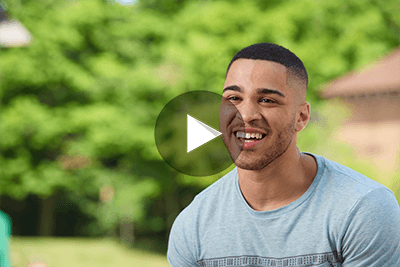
pixel 372 231
pixel 182 245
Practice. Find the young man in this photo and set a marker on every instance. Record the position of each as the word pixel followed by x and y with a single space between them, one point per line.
pixel 281 207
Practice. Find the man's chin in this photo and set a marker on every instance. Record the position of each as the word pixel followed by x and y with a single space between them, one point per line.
pixel 250 165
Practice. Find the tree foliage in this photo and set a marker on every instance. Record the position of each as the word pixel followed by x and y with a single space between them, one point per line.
pixel 80 103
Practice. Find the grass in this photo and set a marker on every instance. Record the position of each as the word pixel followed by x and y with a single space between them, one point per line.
pixel 77 252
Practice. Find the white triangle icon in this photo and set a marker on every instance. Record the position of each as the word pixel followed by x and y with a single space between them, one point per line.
pixel 198 133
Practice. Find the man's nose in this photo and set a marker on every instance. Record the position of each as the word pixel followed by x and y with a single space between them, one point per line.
pixel 249 112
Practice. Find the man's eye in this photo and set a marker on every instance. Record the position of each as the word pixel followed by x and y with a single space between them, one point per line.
pixel 233 98
pixel 266 100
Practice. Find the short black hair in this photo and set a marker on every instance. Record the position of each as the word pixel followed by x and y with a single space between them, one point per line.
pixel 275 53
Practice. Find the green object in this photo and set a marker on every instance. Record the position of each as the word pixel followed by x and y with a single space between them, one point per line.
pixel 5 232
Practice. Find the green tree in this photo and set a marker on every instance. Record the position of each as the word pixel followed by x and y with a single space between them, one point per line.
pixel 71 108
pixel 80 103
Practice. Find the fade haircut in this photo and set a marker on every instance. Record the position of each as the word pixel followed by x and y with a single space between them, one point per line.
pixel 278 54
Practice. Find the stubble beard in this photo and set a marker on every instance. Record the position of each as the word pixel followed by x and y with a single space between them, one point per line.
pixel 247 161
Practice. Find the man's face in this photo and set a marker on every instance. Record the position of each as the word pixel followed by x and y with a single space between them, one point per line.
pixel 259 91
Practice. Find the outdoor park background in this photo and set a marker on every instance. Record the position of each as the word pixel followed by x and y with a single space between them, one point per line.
pixel 80 175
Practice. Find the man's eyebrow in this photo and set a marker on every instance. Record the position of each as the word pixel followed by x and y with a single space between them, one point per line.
pixel 233 88
pixel 259 91
pixel 269 91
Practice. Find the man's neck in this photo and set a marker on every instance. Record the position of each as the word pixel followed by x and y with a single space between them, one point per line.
pixel 280 183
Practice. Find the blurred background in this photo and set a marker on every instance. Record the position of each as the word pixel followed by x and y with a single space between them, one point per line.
pixel 82 83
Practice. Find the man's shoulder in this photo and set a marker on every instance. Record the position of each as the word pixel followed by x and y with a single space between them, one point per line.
pixel 210 196
pixel 361 205
pixel 345 179
pixel 225 183
pixel 345 189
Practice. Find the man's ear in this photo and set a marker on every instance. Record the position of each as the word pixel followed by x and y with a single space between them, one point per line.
pixel 302 116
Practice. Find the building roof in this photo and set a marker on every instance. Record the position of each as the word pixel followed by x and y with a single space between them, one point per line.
pixel 379 77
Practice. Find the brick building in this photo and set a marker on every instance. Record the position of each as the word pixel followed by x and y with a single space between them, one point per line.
pixel 372 126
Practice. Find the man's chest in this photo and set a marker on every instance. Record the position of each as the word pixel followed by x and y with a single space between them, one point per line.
pixel 239 242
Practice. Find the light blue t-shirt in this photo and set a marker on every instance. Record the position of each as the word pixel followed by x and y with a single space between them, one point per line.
pixel 343 219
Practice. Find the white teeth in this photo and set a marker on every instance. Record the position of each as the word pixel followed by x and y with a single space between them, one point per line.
pixel 248 135
pixel 240 134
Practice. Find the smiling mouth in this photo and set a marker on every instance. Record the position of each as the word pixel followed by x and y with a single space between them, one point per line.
pixel 249 137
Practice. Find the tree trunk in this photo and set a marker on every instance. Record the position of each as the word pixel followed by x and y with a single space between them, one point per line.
pixel 172 209
pixel 126 231
pixel 46 217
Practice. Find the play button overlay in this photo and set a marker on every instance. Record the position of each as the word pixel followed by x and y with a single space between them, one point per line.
pixel 191 132
pixel 198 133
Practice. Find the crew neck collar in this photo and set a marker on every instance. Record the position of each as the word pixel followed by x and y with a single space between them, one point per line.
pixel 287 208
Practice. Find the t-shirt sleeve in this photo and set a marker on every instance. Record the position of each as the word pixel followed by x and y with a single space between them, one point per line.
pixel 181 243
pixel 372 231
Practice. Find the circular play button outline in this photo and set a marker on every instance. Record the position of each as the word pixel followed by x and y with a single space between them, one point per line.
pixel 192 131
